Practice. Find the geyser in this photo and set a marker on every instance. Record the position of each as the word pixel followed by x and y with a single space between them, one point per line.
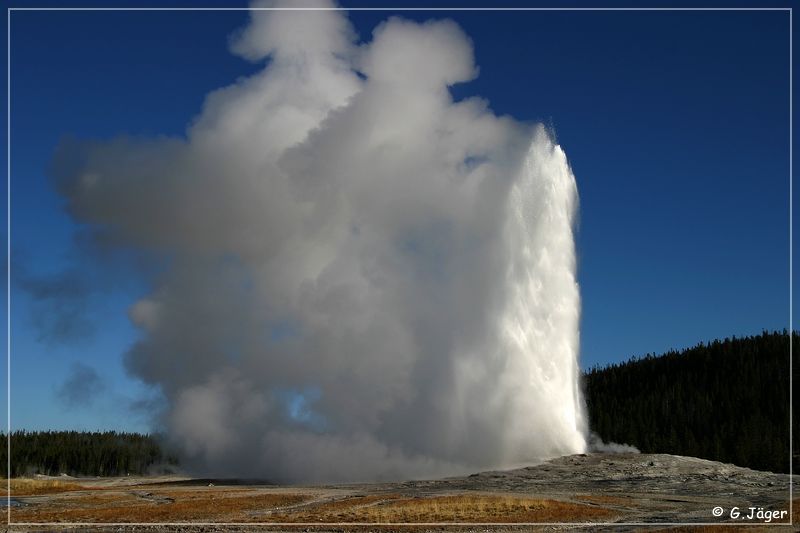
pixel 363 279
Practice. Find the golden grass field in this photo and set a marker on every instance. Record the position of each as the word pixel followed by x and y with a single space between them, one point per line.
pixel 31 487
pixel 55 501
pixel 72 502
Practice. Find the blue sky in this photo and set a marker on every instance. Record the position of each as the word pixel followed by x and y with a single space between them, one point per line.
pixel 676 125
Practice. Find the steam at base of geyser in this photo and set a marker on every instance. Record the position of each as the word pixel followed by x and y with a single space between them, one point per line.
pixel 363 280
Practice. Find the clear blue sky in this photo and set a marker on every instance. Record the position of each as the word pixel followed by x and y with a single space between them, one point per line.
pixel 676 124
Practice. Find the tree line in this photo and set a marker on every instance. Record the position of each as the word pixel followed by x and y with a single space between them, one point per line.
pixel 725 401
pixel 83 454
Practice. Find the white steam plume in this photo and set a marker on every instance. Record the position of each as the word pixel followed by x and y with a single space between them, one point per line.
pixel 366 280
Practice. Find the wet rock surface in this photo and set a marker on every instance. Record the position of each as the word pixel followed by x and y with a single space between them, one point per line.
pixel 643 492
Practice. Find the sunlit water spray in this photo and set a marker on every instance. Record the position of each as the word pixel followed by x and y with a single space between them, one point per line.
pixel 540 324
pixel 527 376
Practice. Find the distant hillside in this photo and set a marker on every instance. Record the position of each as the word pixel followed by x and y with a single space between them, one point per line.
pixel 82 454
pixel 724 401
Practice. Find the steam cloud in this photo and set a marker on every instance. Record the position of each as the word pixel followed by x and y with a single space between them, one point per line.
pixel 596 444
pixel 81 387
pixel 366 279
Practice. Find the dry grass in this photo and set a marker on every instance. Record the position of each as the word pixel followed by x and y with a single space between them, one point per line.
pixel 456 509
pixel 247 505
pixel 156 506
pixel 33 487
pixel 73 503
pixel 347 510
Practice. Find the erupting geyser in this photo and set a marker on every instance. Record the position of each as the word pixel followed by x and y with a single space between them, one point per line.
pixel 362 279
pixel 541 317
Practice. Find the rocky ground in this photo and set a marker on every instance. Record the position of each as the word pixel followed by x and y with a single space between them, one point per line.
pixel 595 492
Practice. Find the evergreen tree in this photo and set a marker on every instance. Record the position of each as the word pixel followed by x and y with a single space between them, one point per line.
pixel 725 401
pixel 82 454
